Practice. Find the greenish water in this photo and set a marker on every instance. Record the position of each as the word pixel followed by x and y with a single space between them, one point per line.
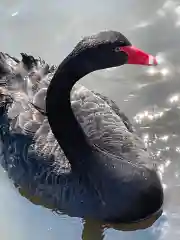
pixel 149 96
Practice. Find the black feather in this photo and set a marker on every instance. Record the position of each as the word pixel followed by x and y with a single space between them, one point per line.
pixel 28 60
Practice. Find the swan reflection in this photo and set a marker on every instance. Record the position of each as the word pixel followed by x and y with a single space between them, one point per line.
pixel 96 230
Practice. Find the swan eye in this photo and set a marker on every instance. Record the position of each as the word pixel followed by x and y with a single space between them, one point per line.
pixel 117 49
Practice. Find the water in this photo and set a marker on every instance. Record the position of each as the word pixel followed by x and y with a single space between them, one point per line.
pixel 149 96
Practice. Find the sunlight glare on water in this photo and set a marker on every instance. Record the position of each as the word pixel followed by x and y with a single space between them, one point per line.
pixel 148 95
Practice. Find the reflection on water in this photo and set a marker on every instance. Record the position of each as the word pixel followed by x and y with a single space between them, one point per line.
pixel 95 229
pixel 149 96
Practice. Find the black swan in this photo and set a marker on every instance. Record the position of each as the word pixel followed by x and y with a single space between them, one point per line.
pixel 75 149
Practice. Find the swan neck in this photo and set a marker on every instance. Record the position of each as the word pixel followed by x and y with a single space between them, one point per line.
pixel 63 123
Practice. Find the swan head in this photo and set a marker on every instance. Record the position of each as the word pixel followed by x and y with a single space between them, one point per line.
pixel 110 49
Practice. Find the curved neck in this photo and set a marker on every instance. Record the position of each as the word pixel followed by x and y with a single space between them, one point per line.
pixel 64 125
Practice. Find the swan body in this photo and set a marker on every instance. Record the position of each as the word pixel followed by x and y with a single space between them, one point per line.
pixel 117 169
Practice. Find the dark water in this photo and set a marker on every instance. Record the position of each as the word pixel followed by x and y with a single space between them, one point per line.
pixel 149 96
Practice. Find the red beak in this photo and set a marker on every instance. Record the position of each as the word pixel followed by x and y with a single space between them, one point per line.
pixel 137 56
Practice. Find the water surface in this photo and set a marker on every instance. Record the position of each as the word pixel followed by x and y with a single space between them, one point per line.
pixel 149 96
